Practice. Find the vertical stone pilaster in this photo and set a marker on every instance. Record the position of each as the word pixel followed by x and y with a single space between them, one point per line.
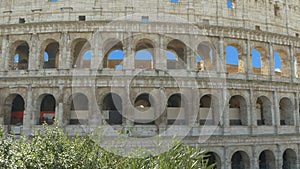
pixel 252 112
pixel 28 113
pixel 5 61
pixel 221 60
pixel 161 61
pixel 33 54
pixel 248 63
pixel 278 157
pixel 276 113
pixel 65 60
pixel 97 58
pixel 293 69
pixel 226 120
pixel 271 59
pixel 128 53
pixel 255 158
pixel 296 112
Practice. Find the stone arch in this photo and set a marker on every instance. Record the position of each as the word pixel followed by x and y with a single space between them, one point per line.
pixel 234 59
pixel 50 54
pixel 179 49
pixel 286 111
pixel 264 111
pixel 266 160
pixel 209 110
pixel 110 46
pixel 214 158
pixel 204 56
pixel 13 110
pixel 79 109
pixel 20 55
pixel 262 58
pixel 47 109
pixel 144 54
pixel 240 159
pixel 112 109
pixel 238 110
pixel 282 57
pixel 176 107
pixel 143 104
pixel 289 158
pixel 80 51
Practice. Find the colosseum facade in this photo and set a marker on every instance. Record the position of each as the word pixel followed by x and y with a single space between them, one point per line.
pixel 56 61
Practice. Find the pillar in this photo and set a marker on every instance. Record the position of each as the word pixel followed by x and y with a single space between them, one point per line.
pixel 221 61
pixel 276 113
pixel 252 113
pixel 65 60
pixel 271 59
pixel 97 58
pixel 128 53
pixel 248 64
pixel 29 113
pixel 5 54
pixel 161 61
pixel 33 54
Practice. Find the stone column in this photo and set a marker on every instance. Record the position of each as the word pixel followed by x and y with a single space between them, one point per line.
pixel 252 111
pixel 276 113
pixel 5 54
pixel 33 55
pixel 29 113
pixel 297 108
pixel 293 70
pixel 97 58
pixel 227 159
pixel 248 63
pixel 161 61
pixel 128 53
pixel 255 158
pixel 271 61
pixel 65 60
pixel 59 110
pixel 221 65
pixel 226 120
pixel 278 157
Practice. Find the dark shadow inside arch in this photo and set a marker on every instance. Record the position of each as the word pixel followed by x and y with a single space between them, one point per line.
pixel 263 111
pixel 286 112
pixel 266 160
pixel 240 160
pixel 209 110
pixel 112 109
pixel 17 110
pixel 50 55
pixel 47 110
pixel 21 56
pixel 176 107
pixel 289 159
pixel 238 111
pixel 213 159
pixel 143 103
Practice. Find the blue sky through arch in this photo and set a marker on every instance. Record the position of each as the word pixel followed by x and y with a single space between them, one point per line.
pixel 256 60
pixel 232 56
pixel 143 55
pixel 116 55
pixel 277 61
pixel 87 55
pixel 171 56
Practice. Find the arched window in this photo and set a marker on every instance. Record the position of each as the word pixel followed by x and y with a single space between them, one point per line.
pixel 114 55
pixel 263 111
pixel 259 61
pixel 17 110
pixel 286 112
pixel 204 56
pixel 51 53
pixel 143 113
pixel 178 49
pixel 144 53
pixel 47 110
pixel 209 114
pixel 112 109
pixel 81 53
pixel 20 55
pixel 176 109
pixel 289 159
pixel 79 109
pixel 240 160
pixel 232 59
pixel 238 111
pixel 281 63
pixel 213 158
pixel 266 159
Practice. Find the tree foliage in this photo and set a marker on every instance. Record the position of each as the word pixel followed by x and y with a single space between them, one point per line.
pixel 50 148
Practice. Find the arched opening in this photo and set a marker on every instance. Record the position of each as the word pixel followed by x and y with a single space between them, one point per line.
pixel 234 59
pixel 50 54
pixel 286 112
pixel 178 49
pixel 238 111
pixel 204 56
pixel 281 63
pixel 259 61
pixel 79 109
pixel 112 109
pixel 14 110
pixel 81 53
pixel 144 54
pixel 114 54
pixel 20 55
pixel 266 160
pixel 213 158
pixel 176 109
pixel 263 111
pixel 289 159
pixel 144 115
pixel 47 110
pixel 240 160
pixel 209 113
